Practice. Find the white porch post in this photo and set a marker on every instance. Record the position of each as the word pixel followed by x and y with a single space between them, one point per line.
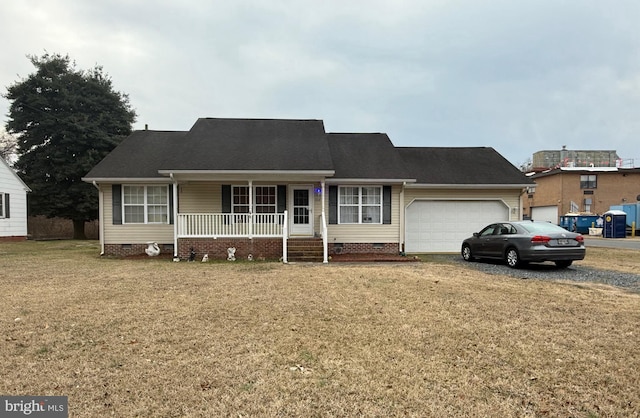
pixel 250 209
pixel 285 234
pixel 325 244
pixel 401 213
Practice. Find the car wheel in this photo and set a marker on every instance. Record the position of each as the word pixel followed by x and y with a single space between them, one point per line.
pixel 563 264
pixel 512 258
pixel 466 253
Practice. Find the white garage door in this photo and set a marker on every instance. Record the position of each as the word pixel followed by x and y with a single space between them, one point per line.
pixel 545 214
pixel 441 226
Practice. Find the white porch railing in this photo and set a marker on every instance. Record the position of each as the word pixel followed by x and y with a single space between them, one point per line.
pixel 213 225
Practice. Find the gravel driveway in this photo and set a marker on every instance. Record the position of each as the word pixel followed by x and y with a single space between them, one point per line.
pixel 548 271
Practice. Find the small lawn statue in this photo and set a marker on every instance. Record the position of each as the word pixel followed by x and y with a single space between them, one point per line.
pixel 231 254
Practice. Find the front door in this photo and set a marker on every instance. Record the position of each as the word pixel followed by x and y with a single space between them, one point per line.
pixel 301 207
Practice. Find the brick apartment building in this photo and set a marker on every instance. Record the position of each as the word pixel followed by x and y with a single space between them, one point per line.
pixel 580 189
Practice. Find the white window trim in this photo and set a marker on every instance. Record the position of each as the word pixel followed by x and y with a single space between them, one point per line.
pixel 360 205
pixel 145 205
pixel 234 205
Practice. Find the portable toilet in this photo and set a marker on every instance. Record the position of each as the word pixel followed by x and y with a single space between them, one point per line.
pixel 615 224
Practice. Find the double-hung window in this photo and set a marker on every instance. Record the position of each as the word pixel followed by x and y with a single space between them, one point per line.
pixel 2 215
pixel 360 205
pixel 240 199
pixel 588 181
pixel 145 204
pixel 264 200
pixel 265 197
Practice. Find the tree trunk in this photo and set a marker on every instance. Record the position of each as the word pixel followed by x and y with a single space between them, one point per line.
pixel 78 229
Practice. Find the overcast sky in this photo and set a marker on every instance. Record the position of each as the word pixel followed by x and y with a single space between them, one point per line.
pixel 516 76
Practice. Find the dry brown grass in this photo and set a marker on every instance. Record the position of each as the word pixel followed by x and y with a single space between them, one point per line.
pixel 155 338
pixel 626 261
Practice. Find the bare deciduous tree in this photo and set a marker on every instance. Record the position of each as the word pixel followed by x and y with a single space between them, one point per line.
pixel 8 146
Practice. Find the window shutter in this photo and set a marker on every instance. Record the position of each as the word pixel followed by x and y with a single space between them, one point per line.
pixel 226 198
pixel 7 211
pixel 386 204
pixel 116 198
pixel 282 198
pixel 333 204
pixel 171 204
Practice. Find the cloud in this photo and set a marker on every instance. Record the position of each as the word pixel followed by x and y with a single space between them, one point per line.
pixel 519 77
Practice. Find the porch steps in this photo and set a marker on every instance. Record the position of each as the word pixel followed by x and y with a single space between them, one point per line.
pixel 305 250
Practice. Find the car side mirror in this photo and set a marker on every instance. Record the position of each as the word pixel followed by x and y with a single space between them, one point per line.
pixel 476 235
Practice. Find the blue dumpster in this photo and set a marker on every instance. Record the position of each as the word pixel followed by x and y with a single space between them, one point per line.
pixel 576 222
pixel 615 224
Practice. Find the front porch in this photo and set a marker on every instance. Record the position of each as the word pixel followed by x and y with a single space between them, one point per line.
pixel 255 236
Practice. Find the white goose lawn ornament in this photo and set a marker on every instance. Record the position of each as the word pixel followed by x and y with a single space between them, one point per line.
pixel 152 249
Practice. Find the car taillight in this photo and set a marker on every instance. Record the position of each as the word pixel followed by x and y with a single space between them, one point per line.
pixel 579 238
pixel 540 239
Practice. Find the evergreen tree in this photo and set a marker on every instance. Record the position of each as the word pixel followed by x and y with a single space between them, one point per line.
pixel 66 121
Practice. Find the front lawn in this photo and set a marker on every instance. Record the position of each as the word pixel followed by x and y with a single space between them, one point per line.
pixel 156 338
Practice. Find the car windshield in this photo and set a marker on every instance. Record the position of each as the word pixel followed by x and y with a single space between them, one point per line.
pixel 542 227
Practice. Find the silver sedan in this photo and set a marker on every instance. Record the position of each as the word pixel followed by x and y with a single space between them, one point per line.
pixel 518 243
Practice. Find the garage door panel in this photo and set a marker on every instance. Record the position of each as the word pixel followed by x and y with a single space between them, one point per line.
pixel 441 226
pixel 545 213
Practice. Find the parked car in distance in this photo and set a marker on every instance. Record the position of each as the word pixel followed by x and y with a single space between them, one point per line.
pixel 518 243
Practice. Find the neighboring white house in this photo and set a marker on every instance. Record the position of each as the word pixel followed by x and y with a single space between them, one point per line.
pixel 13 204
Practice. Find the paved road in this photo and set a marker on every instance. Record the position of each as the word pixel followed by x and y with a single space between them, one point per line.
pixel 631 243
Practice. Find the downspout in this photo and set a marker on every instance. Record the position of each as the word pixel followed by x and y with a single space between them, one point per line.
pixel 100 216
pixel 325 244
pixel 401 214
pixel 175 216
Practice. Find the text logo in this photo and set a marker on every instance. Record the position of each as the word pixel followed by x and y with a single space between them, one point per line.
pixel 34 406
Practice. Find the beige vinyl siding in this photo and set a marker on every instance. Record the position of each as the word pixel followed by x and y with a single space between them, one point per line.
pixel 511 198
pixel 366 233
pixel 200 198
pixel 131 233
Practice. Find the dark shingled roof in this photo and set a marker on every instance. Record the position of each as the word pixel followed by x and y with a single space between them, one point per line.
pixel 366 156
pixel 473 165
pixel 140 155
pixel 253 144
pixel 299 145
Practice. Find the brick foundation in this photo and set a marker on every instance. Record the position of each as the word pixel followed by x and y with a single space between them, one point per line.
pixel 126 250
pixel 267 248
pixel 364 248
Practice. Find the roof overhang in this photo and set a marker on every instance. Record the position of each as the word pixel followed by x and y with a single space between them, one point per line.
pixel 244 175
pixel 469 186
pixel 368 181
pixel 116 180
